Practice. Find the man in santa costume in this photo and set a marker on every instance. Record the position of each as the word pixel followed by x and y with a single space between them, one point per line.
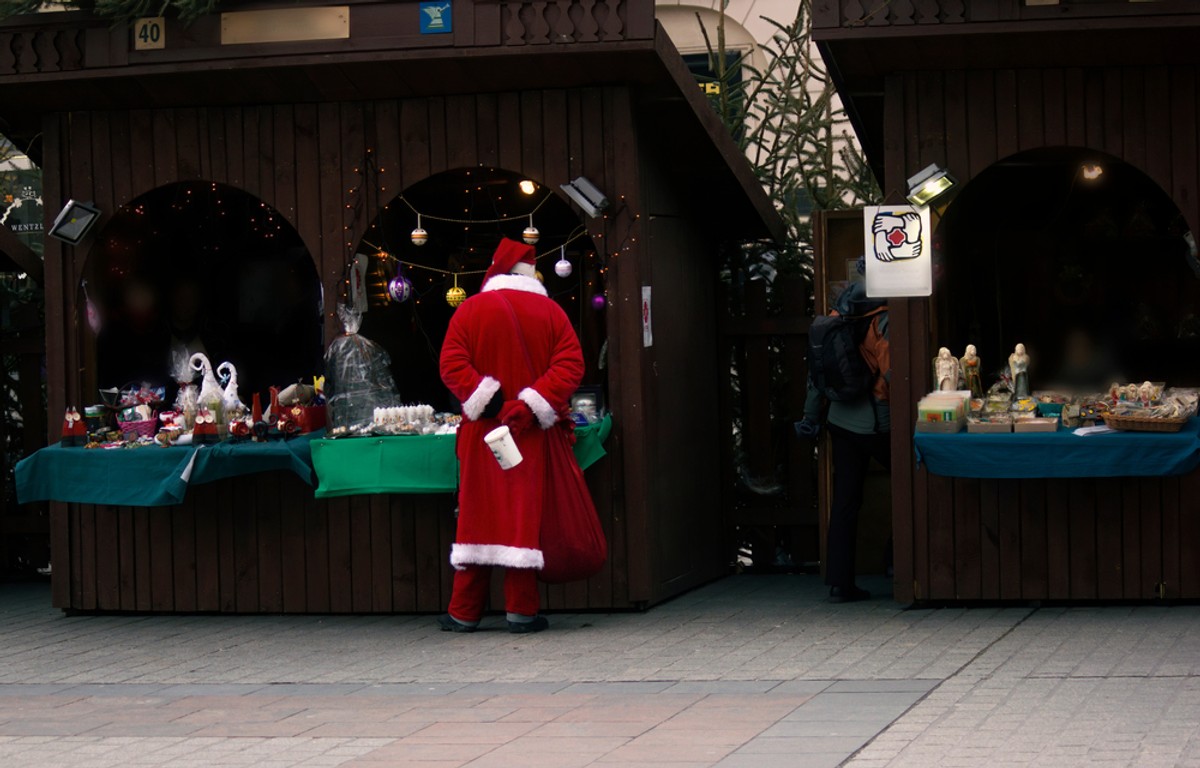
pixel 511 357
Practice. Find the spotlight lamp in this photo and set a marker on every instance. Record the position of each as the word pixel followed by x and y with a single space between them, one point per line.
pixel 1091 171
pixel 930 183
pixel 527 186
pixel 586 196
pixel 74 221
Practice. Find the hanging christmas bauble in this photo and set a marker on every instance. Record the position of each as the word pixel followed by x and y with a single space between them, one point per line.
pixel 420 236
pixel 598 301
pixel 531 234
pixel 562 268
pixel 540 277
pixel 455 296
pixel 400 289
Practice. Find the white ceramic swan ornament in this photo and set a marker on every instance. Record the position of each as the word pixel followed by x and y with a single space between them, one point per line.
pixel 234 407
pixel 210 390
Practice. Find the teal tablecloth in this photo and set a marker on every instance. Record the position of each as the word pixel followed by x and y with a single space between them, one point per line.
pixel 414 464
pixel 151 476
pixel 1061 454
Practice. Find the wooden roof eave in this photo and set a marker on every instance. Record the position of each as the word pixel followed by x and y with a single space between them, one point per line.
pixel 758 217
pixel 860 58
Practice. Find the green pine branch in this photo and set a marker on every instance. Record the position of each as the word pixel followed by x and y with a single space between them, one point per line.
pixel 785 120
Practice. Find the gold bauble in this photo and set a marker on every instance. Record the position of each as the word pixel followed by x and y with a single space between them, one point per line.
pixel 455 296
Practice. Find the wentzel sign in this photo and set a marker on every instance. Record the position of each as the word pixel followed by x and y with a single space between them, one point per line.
pixel 21 206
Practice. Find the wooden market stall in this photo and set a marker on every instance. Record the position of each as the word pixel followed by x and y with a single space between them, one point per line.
pixel 1011 96
pixel 547 91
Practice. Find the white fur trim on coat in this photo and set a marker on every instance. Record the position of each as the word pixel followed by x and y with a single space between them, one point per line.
pixel 462 555
pixel 546 415
pixel 480 398
pixel 515 283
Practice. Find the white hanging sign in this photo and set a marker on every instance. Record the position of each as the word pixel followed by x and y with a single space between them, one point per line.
pixel 899 252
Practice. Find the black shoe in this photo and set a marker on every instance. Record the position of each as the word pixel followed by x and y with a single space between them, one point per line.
pixel 848 594
pixel 450 624
pixel 524 627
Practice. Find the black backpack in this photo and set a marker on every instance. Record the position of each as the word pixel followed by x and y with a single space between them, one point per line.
pixel 835 364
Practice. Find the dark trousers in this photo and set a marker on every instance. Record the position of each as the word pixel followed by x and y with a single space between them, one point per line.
pixel 852 454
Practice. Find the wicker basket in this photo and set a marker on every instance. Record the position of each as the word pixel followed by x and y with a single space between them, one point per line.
pixel 1145 424
pixel 145 428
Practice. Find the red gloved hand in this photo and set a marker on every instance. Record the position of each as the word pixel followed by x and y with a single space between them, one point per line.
pixel 516 416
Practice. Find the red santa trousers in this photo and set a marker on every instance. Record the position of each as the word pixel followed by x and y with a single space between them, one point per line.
pixel 471 592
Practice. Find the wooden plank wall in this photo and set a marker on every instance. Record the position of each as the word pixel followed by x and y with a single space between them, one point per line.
pixel 263 543
pixel 1038 539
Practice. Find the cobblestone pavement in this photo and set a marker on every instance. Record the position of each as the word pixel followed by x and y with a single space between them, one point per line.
pixel 749 671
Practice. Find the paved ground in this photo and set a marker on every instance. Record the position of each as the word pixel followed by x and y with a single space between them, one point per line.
pixel 750 671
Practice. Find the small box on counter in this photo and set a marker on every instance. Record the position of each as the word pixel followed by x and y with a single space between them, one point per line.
pixel 1036 424
pixel 996 423
pixel 942 412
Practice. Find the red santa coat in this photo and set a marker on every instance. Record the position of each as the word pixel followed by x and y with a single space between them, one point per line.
pixel 500 511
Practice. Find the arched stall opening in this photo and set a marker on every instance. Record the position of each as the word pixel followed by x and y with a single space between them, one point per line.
pixel 202 267
pixel 463 214
pixel 1077 255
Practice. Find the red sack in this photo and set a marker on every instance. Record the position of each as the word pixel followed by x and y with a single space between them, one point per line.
pixel 572 540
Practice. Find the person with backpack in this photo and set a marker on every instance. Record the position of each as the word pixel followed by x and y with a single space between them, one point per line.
pixel 850 368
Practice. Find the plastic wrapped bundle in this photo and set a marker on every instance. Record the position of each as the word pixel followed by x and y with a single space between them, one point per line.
pixel 358 378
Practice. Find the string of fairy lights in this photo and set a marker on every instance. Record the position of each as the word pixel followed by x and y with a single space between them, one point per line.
pixel 399 287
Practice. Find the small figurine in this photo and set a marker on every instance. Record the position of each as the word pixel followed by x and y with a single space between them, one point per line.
pixel 240 429
pixel 1147 393
pixel 211 395
pixel 946 371
pixel 205 430
pixel 1018 368
pixel 970 365
pixel 234 407
pixel 74 432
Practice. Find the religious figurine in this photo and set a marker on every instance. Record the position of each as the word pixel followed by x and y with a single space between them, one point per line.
pixel 1018 369
pixel 970 365
pixel 946 371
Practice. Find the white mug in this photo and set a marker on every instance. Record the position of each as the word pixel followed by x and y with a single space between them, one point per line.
pixel 504 447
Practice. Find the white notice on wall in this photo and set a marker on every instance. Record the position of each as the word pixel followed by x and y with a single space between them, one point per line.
pixel 647 327
pixel 898 250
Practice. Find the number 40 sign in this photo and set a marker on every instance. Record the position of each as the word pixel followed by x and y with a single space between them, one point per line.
pixel 149 34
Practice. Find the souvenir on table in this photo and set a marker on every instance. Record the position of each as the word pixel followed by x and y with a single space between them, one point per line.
pixel 358 379
pixel 188 393
pixel 1036 424
pixel 1050 403
pixel 205 429
pixel 1149 407
pixel 970 365
pixel 235 409
pixel 946 371
pixel 942 412
pixel 989 423
pixel 1018 370
pixel 74 432
pixel 211 396
pixel 301 406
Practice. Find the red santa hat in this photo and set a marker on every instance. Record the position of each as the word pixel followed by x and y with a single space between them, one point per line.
pixel 509 254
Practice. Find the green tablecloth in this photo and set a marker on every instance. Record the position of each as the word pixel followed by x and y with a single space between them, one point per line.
pixel 414 464
pixel 151 476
